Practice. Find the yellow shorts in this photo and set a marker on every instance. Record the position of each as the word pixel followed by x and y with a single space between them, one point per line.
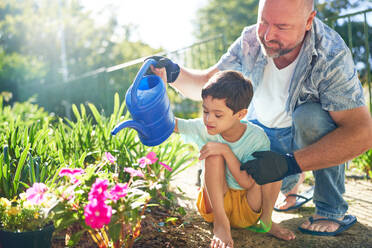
pixel 236 207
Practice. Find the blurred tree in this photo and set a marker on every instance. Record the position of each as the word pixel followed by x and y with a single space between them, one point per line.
pixel 43 40
pixel 225 17
pixel 37 30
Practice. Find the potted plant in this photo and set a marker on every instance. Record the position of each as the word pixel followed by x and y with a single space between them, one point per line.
pixel 25 220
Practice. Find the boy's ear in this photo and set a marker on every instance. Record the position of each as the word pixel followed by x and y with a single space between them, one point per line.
pixel 242 113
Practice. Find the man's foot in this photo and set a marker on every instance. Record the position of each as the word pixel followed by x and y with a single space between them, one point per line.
pixel 290 197
pixel 321 226
pixel 288 202
pixel 222 234
pixel 281 232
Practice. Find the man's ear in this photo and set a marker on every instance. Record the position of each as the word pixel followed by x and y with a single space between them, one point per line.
pixel 310 19
pixel 242 113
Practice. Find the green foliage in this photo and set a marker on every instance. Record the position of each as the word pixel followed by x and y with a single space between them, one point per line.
pixel 334 8
pixel 25 155
pixel 226 17
pixel 34 146
pixel 364 163
pixel 41 40
pixel 20 216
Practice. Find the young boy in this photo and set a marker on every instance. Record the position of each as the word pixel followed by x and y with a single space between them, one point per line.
pixel 229 196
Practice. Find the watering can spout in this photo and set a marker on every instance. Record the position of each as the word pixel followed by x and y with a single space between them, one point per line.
pixel 130 124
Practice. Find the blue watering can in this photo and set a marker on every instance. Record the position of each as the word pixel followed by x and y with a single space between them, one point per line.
pixel 148 103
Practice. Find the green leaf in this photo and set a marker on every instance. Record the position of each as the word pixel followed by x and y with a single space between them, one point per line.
pixel 171 219
pixel 83 112
pixel 76 112
pixel 32 171
pixel 82 158
pixel 95 112
pixel 114 231
pixel 20 167
pixel 60 155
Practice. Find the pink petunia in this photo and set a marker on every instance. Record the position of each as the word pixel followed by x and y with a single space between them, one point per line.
pixel 97 214
pixel 134 172
pixel 120 190
pixel 36 193
pixel 71 172
pixel 99 190
pixel 166 166
pixel 77 171
pixel 110 158
pixel 149 159
pixel 69 193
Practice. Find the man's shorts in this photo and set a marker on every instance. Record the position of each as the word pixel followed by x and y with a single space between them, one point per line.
pixel 236 207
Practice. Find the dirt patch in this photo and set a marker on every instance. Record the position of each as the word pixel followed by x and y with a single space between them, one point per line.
pixel 358 195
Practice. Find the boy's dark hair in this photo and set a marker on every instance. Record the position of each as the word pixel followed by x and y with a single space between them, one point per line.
pixel 231 86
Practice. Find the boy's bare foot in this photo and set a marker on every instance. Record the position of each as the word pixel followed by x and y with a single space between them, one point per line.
pixel 281 233
pixel 321 226
pixel 222 234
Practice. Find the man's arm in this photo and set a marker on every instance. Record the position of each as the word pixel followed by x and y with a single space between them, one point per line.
pixel 352 137
pixel 189 82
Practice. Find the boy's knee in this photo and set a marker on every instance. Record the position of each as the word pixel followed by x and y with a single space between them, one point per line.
pixel 214 160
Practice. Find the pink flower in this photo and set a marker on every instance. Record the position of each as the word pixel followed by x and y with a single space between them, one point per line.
pixel 110 158
pixel 97 214
pixel 36 193
pixel 118 191
pixel 134 172
pixel 166 166
pixel 71 172
pixel 99 190
pixel 69 193
pixel 149 159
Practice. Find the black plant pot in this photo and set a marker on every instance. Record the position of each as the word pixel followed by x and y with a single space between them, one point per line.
pixel 34 239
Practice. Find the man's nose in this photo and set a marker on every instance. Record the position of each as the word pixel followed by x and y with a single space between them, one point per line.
pixel 269 34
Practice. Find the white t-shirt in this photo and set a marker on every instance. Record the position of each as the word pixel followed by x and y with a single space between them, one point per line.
pixel 270 98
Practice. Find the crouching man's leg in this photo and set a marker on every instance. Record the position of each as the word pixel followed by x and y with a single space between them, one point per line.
pixel 330 182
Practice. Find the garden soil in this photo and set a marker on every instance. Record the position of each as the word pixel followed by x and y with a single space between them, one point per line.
pixel 191 231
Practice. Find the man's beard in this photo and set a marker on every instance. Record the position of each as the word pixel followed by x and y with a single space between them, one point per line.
pixel 276 53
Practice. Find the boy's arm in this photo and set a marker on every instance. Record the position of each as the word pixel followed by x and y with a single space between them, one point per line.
pixel 215 148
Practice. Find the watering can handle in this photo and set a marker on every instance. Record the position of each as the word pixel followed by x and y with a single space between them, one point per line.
pixel 138 78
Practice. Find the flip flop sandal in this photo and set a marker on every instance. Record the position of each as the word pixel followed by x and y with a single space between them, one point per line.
pixel 300 200
pixel 346 223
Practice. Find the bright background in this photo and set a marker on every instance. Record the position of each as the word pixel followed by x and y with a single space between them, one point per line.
pixel 162 23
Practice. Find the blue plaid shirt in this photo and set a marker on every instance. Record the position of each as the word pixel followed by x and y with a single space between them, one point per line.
pixel 325 72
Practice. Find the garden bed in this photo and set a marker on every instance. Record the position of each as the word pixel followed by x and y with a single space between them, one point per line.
pixel 192 232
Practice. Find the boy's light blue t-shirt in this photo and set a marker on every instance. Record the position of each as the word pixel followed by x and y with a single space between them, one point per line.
pixel 254 139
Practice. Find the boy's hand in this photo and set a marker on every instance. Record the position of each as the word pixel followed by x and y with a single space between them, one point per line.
pixel 271 166
pixel 213 148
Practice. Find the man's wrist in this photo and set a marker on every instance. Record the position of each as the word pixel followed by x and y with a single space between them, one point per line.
pixel 293 166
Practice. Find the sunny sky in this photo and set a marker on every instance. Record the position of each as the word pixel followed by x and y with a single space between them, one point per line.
pixel 166 23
